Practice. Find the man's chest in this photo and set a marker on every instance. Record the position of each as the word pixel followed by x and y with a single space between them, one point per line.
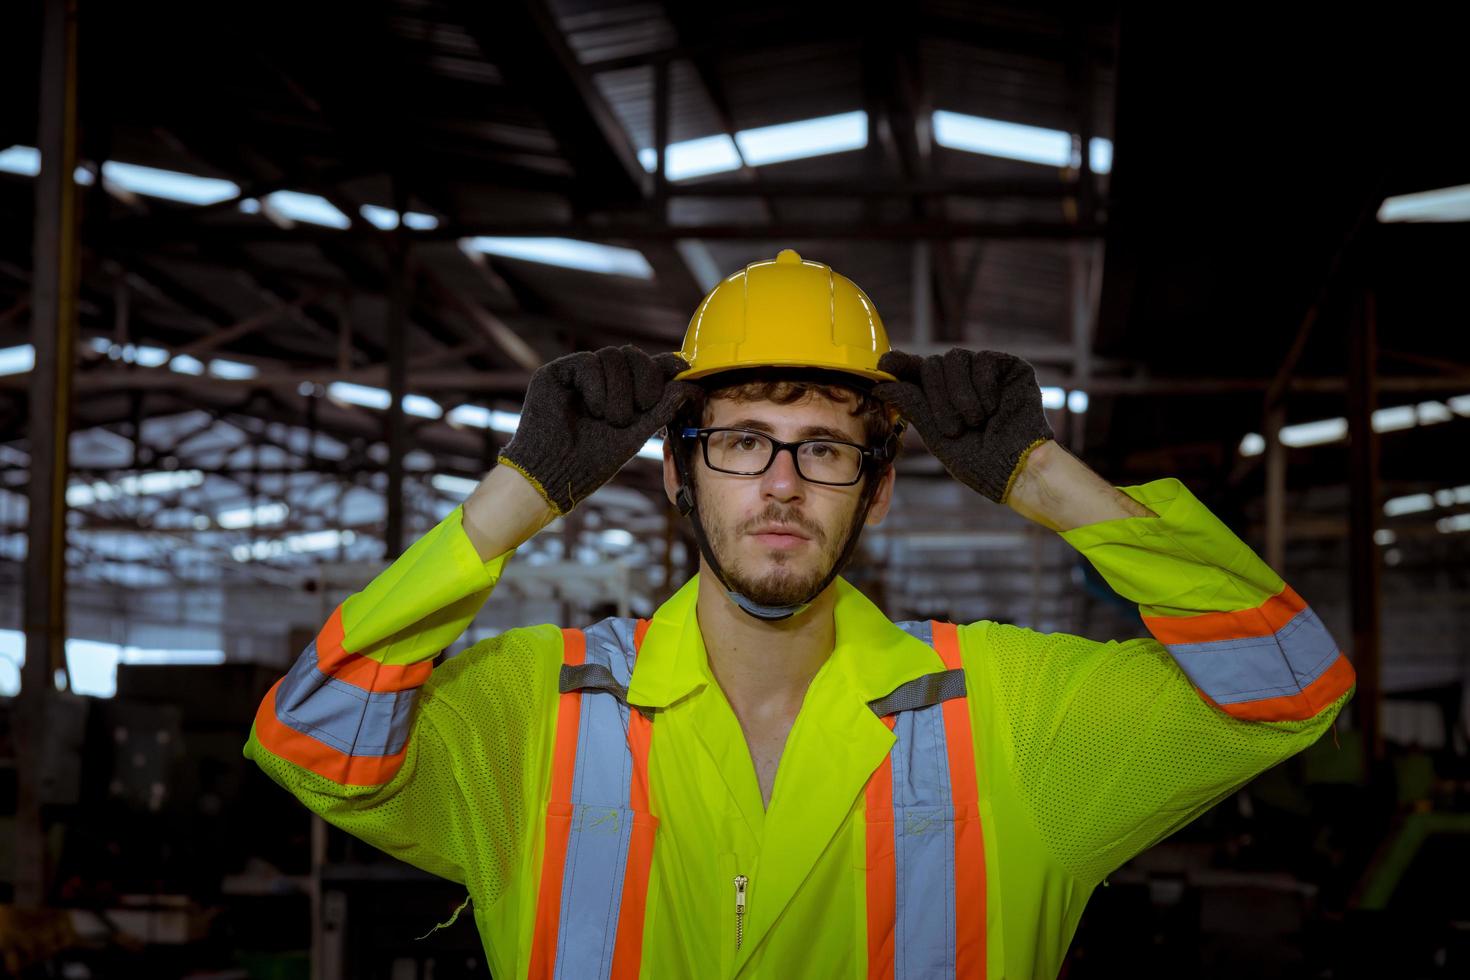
pixel 728 869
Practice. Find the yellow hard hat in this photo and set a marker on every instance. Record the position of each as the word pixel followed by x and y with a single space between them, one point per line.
pixel 786 312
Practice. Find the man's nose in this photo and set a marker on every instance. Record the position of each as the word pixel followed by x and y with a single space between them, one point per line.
pixel 781 480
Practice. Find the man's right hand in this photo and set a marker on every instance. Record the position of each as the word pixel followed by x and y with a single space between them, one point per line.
pixel 588 413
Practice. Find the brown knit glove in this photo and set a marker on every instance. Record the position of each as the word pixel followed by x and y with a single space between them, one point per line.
pixel 588 413
pixel 978 411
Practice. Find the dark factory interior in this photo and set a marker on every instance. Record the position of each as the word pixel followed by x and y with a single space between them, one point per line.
pixel 275 278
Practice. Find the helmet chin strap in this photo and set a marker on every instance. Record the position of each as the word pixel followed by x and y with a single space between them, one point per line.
pixel 684 499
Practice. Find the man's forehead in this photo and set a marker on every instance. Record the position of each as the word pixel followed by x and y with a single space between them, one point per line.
pixel 810 414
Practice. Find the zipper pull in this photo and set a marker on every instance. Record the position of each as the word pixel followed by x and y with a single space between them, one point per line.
pixel 740 882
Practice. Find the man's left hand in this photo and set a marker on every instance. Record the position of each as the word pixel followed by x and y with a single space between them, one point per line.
pixel 979 412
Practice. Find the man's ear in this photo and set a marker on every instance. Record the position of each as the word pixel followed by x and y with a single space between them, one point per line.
pixel 671 474
pixel 882 497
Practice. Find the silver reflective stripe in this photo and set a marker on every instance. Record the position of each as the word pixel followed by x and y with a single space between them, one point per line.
pixel 923 828
pixel 919 629
pixel 343 715
pixel 602 825
pixel 1275 665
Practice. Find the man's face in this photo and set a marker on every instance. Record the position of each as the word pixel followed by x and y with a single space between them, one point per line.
pixel 776 535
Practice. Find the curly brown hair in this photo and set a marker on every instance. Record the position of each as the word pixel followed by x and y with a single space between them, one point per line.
pixel 786 386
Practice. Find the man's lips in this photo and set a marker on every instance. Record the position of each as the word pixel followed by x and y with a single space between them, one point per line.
pixel 779 535
pixel 787 529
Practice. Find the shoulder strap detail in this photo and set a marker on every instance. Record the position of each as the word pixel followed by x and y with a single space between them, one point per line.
pixel 597 677
pixel 921 692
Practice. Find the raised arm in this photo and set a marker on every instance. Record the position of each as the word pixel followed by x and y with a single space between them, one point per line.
pixel 1113 745
pixel 1060 492
pixel 365 731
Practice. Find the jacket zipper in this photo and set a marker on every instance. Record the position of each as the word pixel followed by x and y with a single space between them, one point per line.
pixel 740 882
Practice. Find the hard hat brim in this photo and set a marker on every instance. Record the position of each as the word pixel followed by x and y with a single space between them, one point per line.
pixel 870 374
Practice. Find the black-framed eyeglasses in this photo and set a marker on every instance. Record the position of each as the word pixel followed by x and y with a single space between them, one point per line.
pixel 743 452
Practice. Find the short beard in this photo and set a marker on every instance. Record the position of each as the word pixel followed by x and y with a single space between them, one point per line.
pixel 782 586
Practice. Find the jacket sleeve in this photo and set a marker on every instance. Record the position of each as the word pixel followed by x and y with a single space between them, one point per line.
pixel 1116 745
pixel 428 765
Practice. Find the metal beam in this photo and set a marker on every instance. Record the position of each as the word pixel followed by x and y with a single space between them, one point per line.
pixel 161 379
pixel 54 287
pixel 525 43
pixel 1364 511
pixel 252 323
pixel 873 189
pixel 397 326
pixel 641 232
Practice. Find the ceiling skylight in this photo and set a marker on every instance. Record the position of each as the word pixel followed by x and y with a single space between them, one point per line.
pixel 387 219
pixel 455 486
pixel 141 355
pixel 242 517
pixel 1445 204
pixel 507 422
pixel 1414 503
pixel 1015 141
pixel 167 184
pixel 295 544
pixel 806 138
pixel 232 370
pixel 1417 502
pixel 154 481
pixel 17 360
pixel 694 158
pixel 763 145
pixel 367 396
pixel 312 209
pixel 424 408
pixel 568 253
pixel 1391 419
pixel 22 160
pixel 346 391
pixel 1452 525
pixel 484 418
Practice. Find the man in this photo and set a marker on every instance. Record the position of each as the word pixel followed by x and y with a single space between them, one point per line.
pixel 770 778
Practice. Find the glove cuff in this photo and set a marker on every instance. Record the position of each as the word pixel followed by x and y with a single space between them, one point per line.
pixel 1020 465
pixel 561 505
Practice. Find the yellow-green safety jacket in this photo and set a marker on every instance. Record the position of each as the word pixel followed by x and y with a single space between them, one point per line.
pixel 947 799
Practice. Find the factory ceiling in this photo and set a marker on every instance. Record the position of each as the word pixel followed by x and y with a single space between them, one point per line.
pixel 269 187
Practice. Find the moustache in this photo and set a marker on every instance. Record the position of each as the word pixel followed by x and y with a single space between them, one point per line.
pixel 771 516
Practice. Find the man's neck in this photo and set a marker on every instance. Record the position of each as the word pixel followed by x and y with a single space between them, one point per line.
pixel 764 667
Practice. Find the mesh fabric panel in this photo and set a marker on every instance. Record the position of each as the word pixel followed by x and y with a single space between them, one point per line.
pixel 458 807
pixel 1113 749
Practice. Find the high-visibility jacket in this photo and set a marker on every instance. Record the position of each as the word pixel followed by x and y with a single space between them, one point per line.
pixel 918 826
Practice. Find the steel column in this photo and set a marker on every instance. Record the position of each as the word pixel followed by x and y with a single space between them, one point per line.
pixel 1363 515
pixel 54 284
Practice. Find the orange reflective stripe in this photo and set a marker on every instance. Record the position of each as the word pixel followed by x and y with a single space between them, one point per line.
pixel 969 837
pixel 364 672
pixel 319 757
pixel 882 868
pixel 558 815
pixel 1262 620
pixel 628 950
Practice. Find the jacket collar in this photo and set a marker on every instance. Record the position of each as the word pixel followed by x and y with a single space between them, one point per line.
pixel 872 654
